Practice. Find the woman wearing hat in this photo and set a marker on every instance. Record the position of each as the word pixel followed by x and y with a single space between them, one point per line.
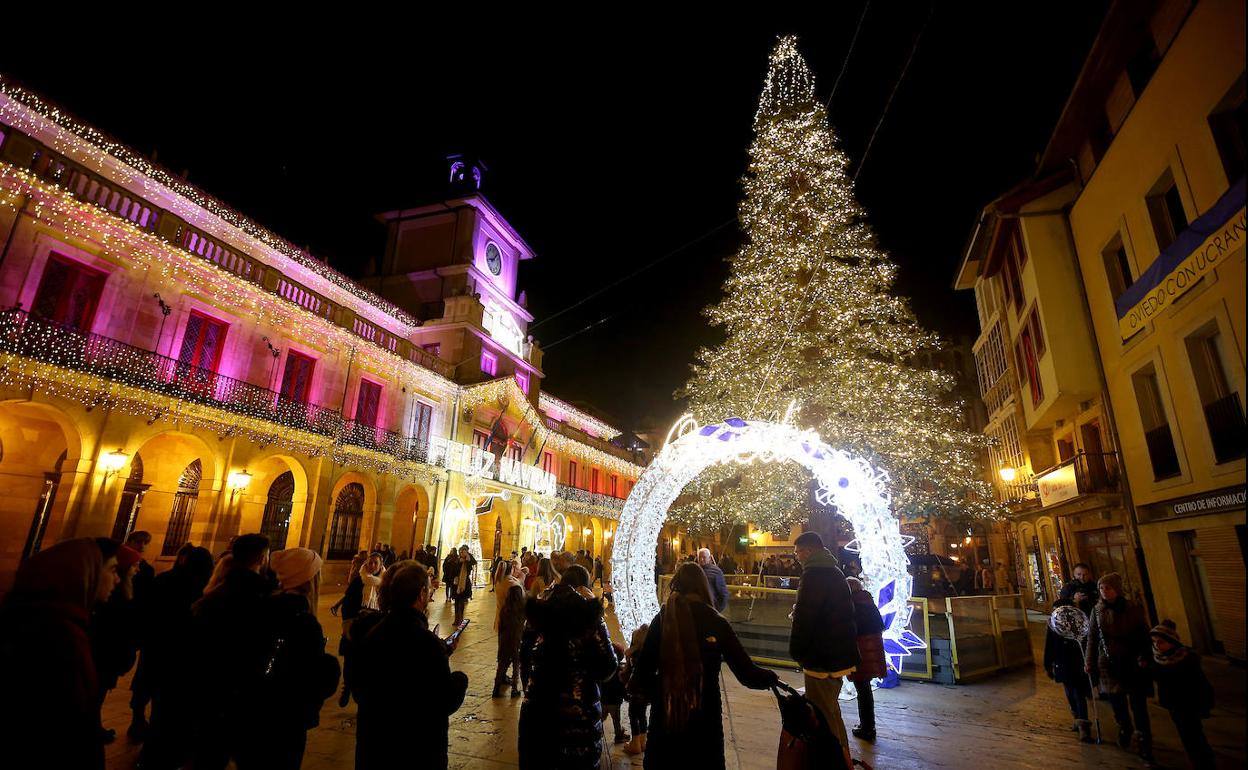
pixel 1118 654
pixel 1183 690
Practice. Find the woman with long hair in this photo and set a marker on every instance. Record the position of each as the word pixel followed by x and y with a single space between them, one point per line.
pixel 679 672
pixel 545 578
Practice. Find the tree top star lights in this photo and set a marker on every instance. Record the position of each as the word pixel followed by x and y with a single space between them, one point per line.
pixel 859 491
pixel 809 314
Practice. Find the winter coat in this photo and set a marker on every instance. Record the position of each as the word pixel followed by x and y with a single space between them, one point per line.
pixel 459 566
pixel 114 638
pixel 166 626
pixel 298 674
pixel 570 656
pixel 872 663
pixel 352 598
pixel 1063 662
pixel 50 713
pixel 1117 642
pixel 1088 589
pixel 407 693
pixel 510 622
pixel 1181 683
pixel 824 637
pixel 700 744
pixel 719 587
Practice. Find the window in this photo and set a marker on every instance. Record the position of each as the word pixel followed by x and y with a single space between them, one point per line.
pixel 571 473
pixel 489 363
pixel 1066 447
pixel 548 462
pixel 593 480
pixel 69 293
pixel 1157 437
pixel 481 439
pixel 1027 366
pixel 275 525
pixel 131 500
pixel 615 485
pixel 1142 65
pixel 423 423
pixel 344 532
pixel 202 342
pixel 515 452
pixel 297 377
pixel 1229 124
pixel 183 513
pixel 367 403
pixel 1165 208
pixel 1037 333
pixel 1117 268
pixel 432 348
pixel 1224 413
pixel 1013 284
pixel 522 379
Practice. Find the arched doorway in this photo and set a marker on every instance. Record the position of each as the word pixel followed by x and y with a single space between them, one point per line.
pixel 43 510
pixel 183 512
pixel 851 484
pixel 344 531
pixel 131 501
pixel 275 524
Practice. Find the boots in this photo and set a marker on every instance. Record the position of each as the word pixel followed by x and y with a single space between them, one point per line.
pixel 1085 730
pixel 637 745
pixel 1144 746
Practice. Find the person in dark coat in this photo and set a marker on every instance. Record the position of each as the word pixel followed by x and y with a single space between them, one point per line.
pixel 115 626
pixel 50 714
pixel 637 703
pixel 461 582
pixel 824 640
pixel 1183 690
pixel 714 579
pixel 1063 662
pixel 510 631
pixel 405 686
pixel 450 568
pixel 166 633
pixel 678 669
pixel 349 607
pixel 613 695
pixel 1118 653
pixel 561 718
pixel 872 662
pixel 1081 590
pixel 141 586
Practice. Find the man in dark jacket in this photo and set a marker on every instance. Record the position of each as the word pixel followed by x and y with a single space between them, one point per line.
pixel 404 683
pixel 824 639
pixel 1081 591
pixel 141 586
pixel 715 579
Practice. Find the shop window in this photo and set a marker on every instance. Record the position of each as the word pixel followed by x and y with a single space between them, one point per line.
pixel 69 293
pixel 297 377
pixel 275 524
pixel 1157 435
pixel 1229 124
pixel 1117 267
pixel 344 532
pixel 183 512
pixel 1224 412
pixel 367 403
pixel 1165 209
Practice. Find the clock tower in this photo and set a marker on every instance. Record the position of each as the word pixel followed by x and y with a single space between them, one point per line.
pixel 453 264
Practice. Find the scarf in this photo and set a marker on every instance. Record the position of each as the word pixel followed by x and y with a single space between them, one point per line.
pixel 465 572
pixel 1176 655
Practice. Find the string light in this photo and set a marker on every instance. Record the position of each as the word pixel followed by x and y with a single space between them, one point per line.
pixel 860 493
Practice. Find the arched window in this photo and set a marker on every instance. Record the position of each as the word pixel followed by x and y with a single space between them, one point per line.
pixel 276 523
pixel 344 532
pixel 131 498
pixel 43 509
pixel 183 512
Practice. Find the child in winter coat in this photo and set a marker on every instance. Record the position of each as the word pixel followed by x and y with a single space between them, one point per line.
pixel 872 663
pixel 1063 662
pixel 1183 690
pixel 613 697
pixel 636 697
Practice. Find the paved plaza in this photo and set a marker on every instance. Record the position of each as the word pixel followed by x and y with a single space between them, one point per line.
pixel 1017 719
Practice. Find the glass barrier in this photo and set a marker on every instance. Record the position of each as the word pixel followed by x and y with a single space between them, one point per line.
pixel 918 664
pixel 1012 629
pixel 973 635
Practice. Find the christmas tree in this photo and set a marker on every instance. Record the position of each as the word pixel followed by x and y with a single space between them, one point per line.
pixel 810 318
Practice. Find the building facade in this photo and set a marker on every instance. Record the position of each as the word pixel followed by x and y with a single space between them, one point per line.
pixel 168 365
pixel 1111 295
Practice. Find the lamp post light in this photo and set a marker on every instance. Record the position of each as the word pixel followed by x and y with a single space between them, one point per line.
pixel 238 481
pixel 1008 474
pixel 113 462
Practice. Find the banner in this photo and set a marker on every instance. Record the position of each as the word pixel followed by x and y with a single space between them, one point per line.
pixel 1215 235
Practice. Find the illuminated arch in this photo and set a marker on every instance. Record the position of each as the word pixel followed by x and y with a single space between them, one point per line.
pixel 851 484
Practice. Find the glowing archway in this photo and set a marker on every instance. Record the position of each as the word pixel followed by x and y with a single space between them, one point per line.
pixel 851 484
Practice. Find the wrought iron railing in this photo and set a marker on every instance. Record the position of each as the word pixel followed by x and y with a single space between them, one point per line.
pixel 409 449
pixel 585 497
pixel 1094 471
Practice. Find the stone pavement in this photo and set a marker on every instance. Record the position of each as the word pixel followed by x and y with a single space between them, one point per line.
pixel 1015 720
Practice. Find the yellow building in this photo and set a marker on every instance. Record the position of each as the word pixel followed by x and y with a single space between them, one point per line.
pixel 168 365
pixel 1154 130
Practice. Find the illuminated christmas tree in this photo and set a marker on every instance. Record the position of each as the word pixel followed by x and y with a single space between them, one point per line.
pixel 810 318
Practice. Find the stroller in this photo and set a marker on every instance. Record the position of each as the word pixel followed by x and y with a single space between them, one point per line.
pixel 806 741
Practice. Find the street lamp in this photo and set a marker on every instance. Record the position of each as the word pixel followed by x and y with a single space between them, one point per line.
pixel 237 481
pixel 1008 474
pixel 113 462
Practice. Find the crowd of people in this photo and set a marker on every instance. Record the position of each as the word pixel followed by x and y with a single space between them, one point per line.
pixel 1119 661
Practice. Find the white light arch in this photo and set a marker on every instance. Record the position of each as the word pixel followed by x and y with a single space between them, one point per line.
pixel 857 489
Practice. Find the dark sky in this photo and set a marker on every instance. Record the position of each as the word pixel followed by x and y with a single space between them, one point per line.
pixel 609 145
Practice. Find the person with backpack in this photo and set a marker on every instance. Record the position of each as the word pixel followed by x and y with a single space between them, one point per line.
pixel 1183 690
pixel 872 664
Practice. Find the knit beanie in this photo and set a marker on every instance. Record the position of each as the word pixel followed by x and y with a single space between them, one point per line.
pixel 1111 579
pixel 295 566
pixel 1167 630
pixel 127 557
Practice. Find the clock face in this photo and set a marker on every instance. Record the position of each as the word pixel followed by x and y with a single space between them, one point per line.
pixel 493 258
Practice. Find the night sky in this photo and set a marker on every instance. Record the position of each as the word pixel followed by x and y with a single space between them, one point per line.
pixel 609 146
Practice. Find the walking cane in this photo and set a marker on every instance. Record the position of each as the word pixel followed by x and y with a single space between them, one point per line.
pixel 1096 713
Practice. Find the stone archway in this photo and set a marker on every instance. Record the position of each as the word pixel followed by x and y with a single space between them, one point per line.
pixel 851 484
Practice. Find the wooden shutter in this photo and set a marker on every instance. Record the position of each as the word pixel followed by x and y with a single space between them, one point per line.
pixel 297 377
pixel 1224 569
pixel 367 403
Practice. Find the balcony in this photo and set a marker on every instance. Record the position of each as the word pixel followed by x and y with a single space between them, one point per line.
pixel 584 501
pixel 1225 418
pixel 1084 474
pixel 582 437
pixel 410 449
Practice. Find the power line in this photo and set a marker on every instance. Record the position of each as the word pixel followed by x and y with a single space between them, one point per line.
pixel 633 274
pixel 578 332
pixel 931 12
pixel 849 53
